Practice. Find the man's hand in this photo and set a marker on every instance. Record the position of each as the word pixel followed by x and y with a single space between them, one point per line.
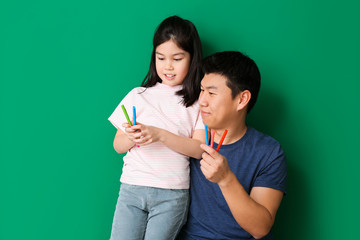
pixel 215 166
pixel 255 213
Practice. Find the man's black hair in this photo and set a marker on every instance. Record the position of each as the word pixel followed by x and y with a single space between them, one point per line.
pixel 240 71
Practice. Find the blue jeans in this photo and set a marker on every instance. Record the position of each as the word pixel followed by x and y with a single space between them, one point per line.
pixel 149 213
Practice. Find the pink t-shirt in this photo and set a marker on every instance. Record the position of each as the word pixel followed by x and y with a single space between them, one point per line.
pixel 156 165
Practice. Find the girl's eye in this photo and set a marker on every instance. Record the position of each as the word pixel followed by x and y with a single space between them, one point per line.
pixel 160 58
pixel 178 59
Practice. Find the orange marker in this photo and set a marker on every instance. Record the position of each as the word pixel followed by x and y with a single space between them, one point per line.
pixel 212 138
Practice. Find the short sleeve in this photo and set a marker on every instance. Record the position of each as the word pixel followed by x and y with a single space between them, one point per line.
pixel 274 173
pixel 117 118
pixel 199 125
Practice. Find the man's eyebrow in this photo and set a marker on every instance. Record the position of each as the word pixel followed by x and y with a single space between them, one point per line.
pixel 209 87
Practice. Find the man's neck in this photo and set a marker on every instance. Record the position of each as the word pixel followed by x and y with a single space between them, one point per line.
pixel 234 134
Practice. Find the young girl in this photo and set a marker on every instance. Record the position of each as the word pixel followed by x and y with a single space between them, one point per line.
pixel 153 198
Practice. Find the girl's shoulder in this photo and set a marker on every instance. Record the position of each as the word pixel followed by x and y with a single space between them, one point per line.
pixel 137 90
pixel 158 88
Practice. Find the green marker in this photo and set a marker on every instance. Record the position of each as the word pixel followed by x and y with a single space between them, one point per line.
pixel 126 115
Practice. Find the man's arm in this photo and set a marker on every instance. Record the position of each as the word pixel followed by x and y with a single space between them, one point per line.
pixel 255 213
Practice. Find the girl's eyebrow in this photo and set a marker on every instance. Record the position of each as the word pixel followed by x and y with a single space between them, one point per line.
pixel 180 53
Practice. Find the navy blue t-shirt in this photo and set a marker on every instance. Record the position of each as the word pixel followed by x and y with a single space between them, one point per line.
pixel 258 161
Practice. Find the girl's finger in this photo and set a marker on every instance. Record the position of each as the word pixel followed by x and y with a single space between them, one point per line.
pixel 129 130
pixel 126 125
pixel 137 127
pixel 137 135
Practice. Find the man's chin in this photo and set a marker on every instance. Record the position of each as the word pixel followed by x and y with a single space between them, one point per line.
pixel 208 124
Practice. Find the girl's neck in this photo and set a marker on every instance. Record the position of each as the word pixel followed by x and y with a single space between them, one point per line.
pixel 169 86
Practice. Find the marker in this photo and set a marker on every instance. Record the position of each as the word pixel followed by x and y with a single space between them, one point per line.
pixel 206 135
pixel 126 115
pixel 221 140
pixel 212 138
pixel 134 115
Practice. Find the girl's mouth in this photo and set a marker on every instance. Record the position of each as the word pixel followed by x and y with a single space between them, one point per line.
pixel 170 76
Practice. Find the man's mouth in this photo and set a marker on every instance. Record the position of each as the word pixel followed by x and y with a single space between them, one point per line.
pixel 204 113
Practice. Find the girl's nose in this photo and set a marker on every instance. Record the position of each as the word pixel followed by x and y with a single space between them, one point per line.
pixel 169 65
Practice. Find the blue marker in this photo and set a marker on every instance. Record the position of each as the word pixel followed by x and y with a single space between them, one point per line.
pixel 134 115
pixel 206 135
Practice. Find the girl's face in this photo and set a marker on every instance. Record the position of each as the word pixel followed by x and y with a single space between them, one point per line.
pixel 172 63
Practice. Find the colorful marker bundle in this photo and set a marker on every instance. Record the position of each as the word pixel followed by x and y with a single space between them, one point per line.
pixel 212 137
pixel 127 116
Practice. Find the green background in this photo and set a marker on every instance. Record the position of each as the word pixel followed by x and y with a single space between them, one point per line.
pixel 65 65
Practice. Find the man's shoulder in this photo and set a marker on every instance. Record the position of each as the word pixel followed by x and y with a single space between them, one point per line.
pixel 262 143
pixel 260 137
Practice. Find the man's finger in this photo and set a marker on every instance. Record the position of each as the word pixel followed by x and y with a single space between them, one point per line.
pixel 207 158
pixel 205 164
pixel 212 152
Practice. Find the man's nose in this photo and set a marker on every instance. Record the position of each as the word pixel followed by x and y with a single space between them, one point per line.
pixel 202 100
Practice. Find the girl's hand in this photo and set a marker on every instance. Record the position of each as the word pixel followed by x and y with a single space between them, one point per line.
pixel 145 134
pixel 130 132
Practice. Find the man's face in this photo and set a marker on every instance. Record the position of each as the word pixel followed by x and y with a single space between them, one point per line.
pixel 217 106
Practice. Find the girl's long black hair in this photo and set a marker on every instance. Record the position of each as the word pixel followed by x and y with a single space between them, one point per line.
pixel 184 33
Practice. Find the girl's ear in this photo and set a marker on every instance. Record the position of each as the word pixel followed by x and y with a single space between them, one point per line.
pixel 243 99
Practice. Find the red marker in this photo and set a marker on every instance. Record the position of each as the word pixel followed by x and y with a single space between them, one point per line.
pixel 221 140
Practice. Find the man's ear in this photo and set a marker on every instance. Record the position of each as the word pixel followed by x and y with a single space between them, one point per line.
pixel 243 99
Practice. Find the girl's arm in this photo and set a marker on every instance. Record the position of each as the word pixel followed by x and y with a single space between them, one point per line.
pixel 124 141
pixel 187 146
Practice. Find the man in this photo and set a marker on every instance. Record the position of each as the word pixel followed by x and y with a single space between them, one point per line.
pixel 236 192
